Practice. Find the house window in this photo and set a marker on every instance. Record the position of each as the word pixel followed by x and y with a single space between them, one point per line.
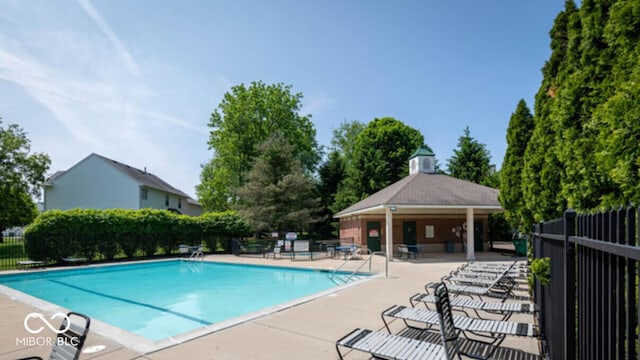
pixel 179 203
pixel 143 194
pixel 166 200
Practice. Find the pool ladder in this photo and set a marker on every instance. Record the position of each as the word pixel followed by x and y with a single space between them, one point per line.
pixel 340 279
pixel 197 254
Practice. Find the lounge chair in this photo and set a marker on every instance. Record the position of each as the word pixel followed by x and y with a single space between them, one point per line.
pixel 410 344
pixel 184 250
pixel 492 307
pixel 404 251
pixel 31 263
pixel 495 331
pixel 500 286
pixel 456 345
pixel 276 252
pixel 68 344
pixel 389 346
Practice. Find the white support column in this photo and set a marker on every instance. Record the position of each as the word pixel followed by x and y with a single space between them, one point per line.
pixel 470 236
pixel 389 240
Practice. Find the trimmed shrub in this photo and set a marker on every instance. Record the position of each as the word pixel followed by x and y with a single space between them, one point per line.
pixel 219 228
pixel 56 234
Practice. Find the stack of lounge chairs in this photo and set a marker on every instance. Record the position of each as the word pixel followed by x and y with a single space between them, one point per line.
pixel 430 333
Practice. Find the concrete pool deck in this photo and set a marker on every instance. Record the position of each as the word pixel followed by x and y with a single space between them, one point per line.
pixel 307 330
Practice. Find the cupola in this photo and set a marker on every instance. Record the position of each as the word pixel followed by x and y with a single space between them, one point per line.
pixel 422 161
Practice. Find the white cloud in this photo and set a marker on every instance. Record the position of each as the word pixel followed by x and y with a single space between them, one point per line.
pixel 84 80
pixel 122 52
pixel 315 104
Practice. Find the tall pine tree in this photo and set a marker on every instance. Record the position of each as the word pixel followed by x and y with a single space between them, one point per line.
pixel 542 172
pixel 471 160
pixel 511 189
pixel 618 119
pixel 278 194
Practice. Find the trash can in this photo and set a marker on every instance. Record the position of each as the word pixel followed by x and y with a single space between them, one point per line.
pixel 451 246
pixel 235 247
pixel 520 246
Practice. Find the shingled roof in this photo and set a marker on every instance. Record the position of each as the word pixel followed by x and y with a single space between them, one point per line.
pixel 432 191
pixel 142 177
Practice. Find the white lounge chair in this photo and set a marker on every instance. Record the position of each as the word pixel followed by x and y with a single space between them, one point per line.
pixel 276 252
pixel 506 309
pixel 389 346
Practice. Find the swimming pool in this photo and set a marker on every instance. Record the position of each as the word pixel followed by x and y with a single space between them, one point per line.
pixel 163 299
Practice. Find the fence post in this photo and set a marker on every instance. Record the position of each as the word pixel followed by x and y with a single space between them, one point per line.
pixel 569 311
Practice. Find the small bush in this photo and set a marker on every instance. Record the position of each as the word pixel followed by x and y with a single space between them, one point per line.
pixel 541 268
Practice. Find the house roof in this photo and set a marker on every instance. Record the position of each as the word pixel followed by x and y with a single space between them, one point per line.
pixel 142 177
pixel 428 193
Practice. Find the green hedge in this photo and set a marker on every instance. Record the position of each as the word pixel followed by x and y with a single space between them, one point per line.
pixel 90 233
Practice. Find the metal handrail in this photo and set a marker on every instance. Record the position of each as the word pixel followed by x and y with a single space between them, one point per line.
pixel 197 254
pixel 369 260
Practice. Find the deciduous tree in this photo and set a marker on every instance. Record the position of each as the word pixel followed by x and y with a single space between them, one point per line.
pixel 380 157
pixel 245 117
pixel 21 176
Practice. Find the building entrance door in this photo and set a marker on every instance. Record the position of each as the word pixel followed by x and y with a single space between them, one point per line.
pixel 409 232
pixel 373 235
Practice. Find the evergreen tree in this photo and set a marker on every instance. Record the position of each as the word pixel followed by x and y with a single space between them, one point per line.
pixel 618 119
pixel 583 151
pixel 471 160
pixel 278 193
pixel 511 189
pixel 542 173
pixel 586 85
pixel 331 174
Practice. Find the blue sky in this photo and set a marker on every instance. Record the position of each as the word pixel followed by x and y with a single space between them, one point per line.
pixel 137 81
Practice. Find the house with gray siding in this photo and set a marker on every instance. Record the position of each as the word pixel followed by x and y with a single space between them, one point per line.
pixel 97 182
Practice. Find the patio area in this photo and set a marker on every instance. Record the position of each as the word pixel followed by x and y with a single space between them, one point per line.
pixel 311 328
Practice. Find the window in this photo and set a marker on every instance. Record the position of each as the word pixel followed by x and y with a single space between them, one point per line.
pixel 166 200
pixel 143 194
pixel 179 203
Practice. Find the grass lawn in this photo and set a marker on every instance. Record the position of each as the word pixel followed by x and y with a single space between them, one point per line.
pixel 11 251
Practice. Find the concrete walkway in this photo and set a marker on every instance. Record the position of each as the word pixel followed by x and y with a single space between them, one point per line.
pixel 308 330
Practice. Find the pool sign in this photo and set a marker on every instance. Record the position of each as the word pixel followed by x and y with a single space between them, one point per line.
pixel 301 246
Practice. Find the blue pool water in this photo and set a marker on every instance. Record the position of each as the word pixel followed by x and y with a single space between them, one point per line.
pixel 162 299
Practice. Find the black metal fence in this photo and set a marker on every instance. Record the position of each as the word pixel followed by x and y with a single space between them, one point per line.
pixel 590 308
pixel 11 251
pixel 292 249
